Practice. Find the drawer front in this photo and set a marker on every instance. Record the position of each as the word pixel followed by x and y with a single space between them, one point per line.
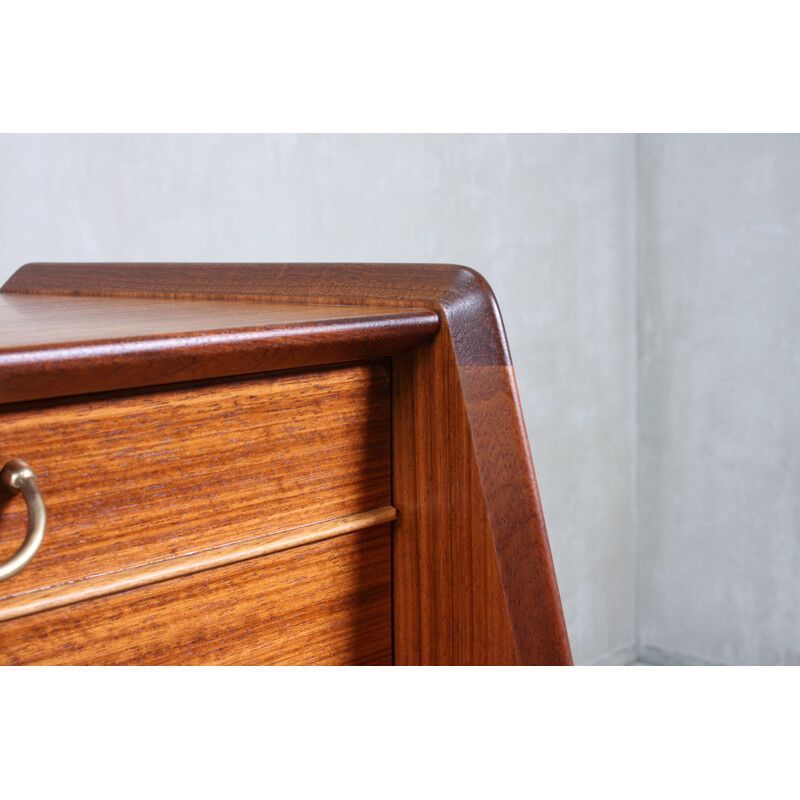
pixel 136 478
pixel 324 603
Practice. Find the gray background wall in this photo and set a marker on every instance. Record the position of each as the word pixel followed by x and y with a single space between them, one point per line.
pixel 551 221
pixel 719 399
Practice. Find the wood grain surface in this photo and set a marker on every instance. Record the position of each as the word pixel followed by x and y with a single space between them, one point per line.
pixel 449 606
pixel 131 479
pixel 65 594
pixel 54 346
pixel 463 483
pixel 324 603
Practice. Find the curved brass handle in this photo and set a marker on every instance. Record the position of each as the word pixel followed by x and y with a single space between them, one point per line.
pixel 17 476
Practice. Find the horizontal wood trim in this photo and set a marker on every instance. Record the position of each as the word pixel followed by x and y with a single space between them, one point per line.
pixel 111 583
pixel 56 346
pixel 328 602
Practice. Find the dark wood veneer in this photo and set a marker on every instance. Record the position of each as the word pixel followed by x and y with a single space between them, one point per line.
pixel 55 346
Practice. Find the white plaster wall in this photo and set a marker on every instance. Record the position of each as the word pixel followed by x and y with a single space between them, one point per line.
pixel 549 220
pixel 719 400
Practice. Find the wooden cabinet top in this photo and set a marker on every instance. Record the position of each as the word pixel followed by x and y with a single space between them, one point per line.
pixel 58 345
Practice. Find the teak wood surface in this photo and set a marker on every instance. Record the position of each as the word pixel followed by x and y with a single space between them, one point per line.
pixel 65 594
pixel 324 603
pixel 54 346
pixel 132 479
pixel 473 580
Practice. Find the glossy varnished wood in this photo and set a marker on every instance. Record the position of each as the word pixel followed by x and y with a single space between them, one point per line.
pixel 449 604
pixel 132 479
pixel 53 346
pixel 324 603
pixel 110 583
pixel 473 575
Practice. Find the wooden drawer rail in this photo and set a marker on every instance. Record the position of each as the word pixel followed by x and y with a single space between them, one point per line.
pixel 111 583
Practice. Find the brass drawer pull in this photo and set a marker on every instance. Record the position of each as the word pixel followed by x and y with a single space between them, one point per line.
pixel 17 476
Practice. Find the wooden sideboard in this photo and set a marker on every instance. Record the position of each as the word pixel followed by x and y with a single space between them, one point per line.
pixel 269 464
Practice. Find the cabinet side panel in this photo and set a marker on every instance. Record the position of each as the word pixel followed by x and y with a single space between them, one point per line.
pixel 449 606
